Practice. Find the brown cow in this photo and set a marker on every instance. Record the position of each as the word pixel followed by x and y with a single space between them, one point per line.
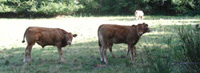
pixel 46 36
pixel 109 34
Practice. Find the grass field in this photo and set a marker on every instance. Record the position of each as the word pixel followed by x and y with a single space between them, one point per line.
pixel 156 50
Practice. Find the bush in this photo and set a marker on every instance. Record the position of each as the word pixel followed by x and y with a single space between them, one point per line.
pixel 38 7
pixel 100 7
pixel 190 49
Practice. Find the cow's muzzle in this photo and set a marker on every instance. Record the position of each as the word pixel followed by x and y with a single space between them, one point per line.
pixel 148 30
pixel 140 33
pixel 69 43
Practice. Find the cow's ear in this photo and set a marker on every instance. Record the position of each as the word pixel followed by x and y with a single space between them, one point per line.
pixel 139 25
pixel 145 23
pixel 74 35
pixel 134 26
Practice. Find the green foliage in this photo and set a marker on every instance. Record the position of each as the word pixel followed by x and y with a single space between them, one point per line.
pixel 190 39
pixel 127 7
pixel 100 7
pixel 46 7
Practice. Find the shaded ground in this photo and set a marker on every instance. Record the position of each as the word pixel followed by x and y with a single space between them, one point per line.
pixel 24 15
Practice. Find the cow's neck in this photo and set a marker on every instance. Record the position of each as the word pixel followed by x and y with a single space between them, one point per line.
pixel 136 39
pixel 64 43
pixel 138 35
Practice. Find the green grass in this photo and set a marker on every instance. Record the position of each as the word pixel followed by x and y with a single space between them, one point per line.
pixel 156 50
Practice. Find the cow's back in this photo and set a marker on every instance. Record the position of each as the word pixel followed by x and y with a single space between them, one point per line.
pixel 114 33
pixel 139 13
pixel 44 36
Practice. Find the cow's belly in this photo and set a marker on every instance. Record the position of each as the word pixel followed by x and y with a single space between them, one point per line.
pixel 44 43
pixel 116 41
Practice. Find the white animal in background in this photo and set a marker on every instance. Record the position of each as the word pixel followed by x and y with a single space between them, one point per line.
pixel 139 14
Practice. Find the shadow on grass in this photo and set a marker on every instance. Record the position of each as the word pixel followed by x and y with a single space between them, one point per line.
pixel 155 52
pixel 25 15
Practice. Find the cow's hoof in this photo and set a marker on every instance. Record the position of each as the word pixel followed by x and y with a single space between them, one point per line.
pixel 106 62
pixel 135 54
pixel 25 62
pixel 132 61
pixel 62 61
pixel 102 62
pixel 29 62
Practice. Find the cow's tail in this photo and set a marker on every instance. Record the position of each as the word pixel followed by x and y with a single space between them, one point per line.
pixel 100 39
pixel 98 36
pixel 24 35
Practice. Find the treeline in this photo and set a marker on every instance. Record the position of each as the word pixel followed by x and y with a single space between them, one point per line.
pixel 39 8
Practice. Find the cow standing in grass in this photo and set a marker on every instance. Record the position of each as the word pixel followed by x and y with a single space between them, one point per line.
pixel 139 14
pixel 46 36
pixel 109 34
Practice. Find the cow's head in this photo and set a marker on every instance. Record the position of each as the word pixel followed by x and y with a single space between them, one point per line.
pixel 142 28
pixel 69 38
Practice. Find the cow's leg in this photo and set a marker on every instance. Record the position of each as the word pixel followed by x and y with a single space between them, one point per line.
pixel 142 17
pixel 101 52
pixel 136 18
pixel 110 48
pixel 60 54
pixel 27 54
pixel 130 47
pixel 101 45
pixel 100 49
pixel 134 49
pixel 128 51
pixel 104 54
